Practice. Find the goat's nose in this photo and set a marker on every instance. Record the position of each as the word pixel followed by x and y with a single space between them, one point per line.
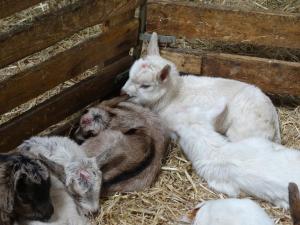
pixel 47 214
pixel 85 121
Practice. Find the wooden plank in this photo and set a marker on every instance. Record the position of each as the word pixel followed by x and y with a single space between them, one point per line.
pixel 9 7
pixel 272 76
pixel 185 62
pixel 220 24
pixel 30 83
pixel 59 107
pixel 54 26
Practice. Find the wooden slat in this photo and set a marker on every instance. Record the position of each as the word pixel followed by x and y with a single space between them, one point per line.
pixel 8 7
pixel 28 84
pixel 185 62
pixel 54 26
pixel 219 24
pixel 59 107
pixel 272 76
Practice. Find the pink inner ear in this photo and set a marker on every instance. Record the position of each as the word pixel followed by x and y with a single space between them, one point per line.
pixel 84 175
pixel 165 72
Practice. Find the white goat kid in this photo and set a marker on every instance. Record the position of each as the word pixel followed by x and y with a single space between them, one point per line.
pixel 256 166
pixel 227 212
pixel 155 82
pixel 77 188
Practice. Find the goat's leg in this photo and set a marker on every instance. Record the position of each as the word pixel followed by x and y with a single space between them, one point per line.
pixel 114 101
pixel 225 188
pixel 123 164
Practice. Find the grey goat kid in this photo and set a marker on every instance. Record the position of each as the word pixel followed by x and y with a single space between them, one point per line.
pixel 68 162
pixel 24 189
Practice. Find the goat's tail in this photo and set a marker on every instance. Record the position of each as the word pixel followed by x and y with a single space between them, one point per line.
pixel 294 200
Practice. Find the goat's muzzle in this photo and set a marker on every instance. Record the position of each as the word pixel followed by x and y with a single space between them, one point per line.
pixel 47 214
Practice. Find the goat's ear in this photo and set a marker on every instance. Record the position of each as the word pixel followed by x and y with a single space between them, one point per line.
pixel 294 200
pixel 153 48
pixel 190 216
pixel 164 73
pixel 102 158
pixel 77 136
pixel 6 191
pixel 57 169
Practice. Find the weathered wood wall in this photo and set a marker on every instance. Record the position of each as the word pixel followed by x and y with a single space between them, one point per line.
pixel 109 51
pixel 273 76
pixel 231 26
pixel 8 7
pixel 191 20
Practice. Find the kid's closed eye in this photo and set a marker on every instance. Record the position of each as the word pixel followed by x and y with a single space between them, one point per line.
pixel 97 117
pixel 145 86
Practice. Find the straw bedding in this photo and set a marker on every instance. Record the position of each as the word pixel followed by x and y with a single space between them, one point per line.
pixel 177 188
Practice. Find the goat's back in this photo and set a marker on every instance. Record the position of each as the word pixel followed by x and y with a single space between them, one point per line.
pixel 153 127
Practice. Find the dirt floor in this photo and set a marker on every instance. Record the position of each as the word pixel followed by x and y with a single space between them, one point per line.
pixel 178 188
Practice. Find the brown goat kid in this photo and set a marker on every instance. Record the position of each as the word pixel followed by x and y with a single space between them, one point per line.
pixel 24 189
pixel 137 138
pixel 294 200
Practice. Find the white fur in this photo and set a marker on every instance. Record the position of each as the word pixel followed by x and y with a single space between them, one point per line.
pixel 256 166
pixel 229 212
pixel 250 111
pixel 61 150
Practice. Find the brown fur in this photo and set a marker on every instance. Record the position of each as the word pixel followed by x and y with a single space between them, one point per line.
pixel 294 199
pixel 138 141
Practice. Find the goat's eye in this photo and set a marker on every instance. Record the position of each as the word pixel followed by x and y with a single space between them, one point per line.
pixel 97 117
pixel 85 111
pixel 145 86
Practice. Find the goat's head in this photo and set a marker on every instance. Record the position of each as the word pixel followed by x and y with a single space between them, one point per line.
pixel 150 78
pixel 25 187
pixel 82 179
pixel 92 121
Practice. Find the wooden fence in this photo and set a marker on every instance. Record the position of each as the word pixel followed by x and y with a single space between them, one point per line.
pixel 231 26
pixel 110 49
